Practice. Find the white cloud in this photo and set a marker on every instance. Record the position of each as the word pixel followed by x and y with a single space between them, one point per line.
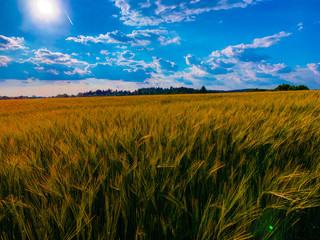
pixel 53 71
pixel 78 71
pixel 192 60
pixel 300 26
pixel 104 52
pixel 122 47
pixel 127 55
pixel 46 61
pixel 303 75
pixel 167 41
pixel 4 60
pixel 163 65
pixel 237 50
pixel 155 12
pixel 265 42
pixel 45 56
pixel 11 43
pixel 136 38
pixel 126 59
pixel 238 66
pixel 315 68
pixel 270 68
pixel 39 68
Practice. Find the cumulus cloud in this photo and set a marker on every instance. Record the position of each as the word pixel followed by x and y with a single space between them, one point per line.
pixel 265 42
pixel 155 12
pixel 44 64
pixel 111 37
pixel 53 71
pixel 119 72
pixel 163 65
pixel 125 66
pixel 47 70
pixel 268 68
pixel 126 60
pixel 303 75
pixel 245 52
pixel 78 71
pixel 136 38
pixel 104 52
pixel 192 60
pixel 45 56
pixel 127 55
pixel 239 66
pixel 44 59
pixel 210 67
pixel 167 40
pixel 4 60
pixel 11 43
pixel 315 68
pixel 121 66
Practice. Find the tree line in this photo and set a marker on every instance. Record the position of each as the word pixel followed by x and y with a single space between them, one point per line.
pixel 161 91
pixel 179 90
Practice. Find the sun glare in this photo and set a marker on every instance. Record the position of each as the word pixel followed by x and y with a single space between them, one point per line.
pixel 44 7
pixel 45 10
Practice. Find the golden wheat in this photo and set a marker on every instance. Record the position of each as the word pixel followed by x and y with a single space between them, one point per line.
pixel 213 166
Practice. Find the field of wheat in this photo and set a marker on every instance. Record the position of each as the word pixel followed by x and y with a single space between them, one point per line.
pixel 213 166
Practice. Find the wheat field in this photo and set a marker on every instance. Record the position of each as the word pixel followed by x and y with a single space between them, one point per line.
pixel 213 166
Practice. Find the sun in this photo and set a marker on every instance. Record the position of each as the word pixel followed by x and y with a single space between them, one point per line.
pixel 45 7
pixel 45 10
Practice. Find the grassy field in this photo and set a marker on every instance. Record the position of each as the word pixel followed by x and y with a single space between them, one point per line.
pixel 219 166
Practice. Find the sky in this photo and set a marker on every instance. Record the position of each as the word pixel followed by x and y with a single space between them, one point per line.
pixel 50 47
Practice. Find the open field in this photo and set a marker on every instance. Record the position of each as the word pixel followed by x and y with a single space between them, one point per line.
pixel 219 166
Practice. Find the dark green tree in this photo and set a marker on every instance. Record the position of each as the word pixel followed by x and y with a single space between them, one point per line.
pixel 288 87
pixel 203 90
pixel 283 87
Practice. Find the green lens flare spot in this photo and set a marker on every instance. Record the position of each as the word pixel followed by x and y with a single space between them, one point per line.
pixel 270 227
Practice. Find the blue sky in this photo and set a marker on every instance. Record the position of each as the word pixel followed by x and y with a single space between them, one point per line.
pixel 49 47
